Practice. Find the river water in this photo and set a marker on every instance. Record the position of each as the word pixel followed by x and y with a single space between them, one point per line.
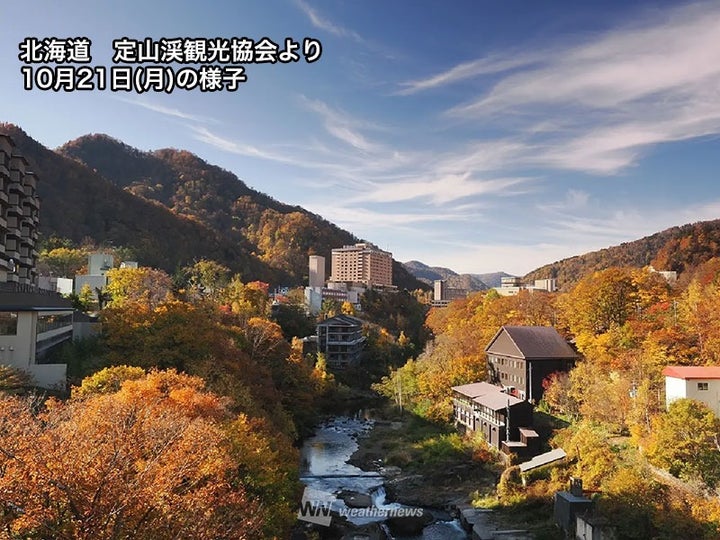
pixel 325 469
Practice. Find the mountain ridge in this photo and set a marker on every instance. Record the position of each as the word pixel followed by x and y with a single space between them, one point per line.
pixel 172 207
pixel 428 274
pixel 679 248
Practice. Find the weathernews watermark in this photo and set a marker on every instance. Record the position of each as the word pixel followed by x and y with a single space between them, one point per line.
pixel 317 507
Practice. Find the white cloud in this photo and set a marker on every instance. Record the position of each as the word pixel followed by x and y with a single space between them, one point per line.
pixel 468 70
pixel 341 126
pixel 599 104
pixel 358 217
pixel 323 23
pixel 167 111
pixel 438 190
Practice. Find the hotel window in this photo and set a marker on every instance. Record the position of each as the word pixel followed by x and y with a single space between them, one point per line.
pixel 702 386
pixel 8 323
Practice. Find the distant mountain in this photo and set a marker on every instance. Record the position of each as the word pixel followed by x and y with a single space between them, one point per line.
pixel 492 279
pixel 428 274
pixel 171 208
pixel 678 248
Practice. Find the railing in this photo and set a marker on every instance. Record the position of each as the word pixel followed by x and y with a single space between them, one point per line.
pixel 25 288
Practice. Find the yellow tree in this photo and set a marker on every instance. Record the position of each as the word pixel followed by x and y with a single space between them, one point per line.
pixel 147 286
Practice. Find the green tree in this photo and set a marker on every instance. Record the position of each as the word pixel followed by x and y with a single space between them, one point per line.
pixel 208 277
pixel 63 261
pixel 685 441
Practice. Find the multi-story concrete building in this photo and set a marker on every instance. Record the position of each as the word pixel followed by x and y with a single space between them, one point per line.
pixel 341 340
pixel 362 263
pixel 96 278
pixel 34 323
pixel 19 217
pixel 443 294
pixel 512 285
pixel 316 275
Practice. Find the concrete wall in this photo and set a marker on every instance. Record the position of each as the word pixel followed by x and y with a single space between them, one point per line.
pixel 19 350
pixel 95 282
pixel 688 388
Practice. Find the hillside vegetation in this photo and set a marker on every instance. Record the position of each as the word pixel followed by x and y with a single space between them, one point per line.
pixel 678 248
pixel 171 208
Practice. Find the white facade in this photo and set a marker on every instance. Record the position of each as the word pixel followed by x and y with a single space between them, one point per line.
pixel 96 278
pixel 705 390
pixel 95 282
pixel 693 382
pixel 26 336
pixel 56 284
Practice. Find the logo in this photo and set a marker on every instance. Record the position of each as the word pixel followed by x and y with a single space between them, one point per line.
pixel 315 507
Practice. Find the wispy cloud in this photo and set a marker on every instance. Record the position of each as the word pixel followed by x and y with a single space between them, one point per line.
pixel 323 23
pixel 353 216
pixel 598 104
pixel 168 111
pixel 565 235
pixel 240 148
pixel 341 126
pixel 439 191
pixel 468 70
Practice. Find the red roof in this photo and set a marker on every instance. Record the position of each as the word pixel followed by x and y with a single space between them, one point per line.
pixel 692 372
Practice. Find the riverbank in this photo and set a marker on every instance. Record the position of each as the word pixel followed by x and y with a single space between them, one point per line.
pixel 425 464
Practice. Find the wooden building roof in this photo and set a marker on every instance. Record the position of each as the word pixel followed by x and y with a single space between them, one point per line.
pixel 530 343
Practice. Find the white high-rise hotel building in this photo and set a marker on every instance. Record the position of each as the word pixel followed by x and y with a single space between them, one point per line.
pixel 362 263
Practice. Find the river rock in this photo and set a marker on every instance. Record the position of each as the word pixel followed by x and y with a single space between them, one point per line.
pixel 409 525
pixel 354 499
pixel 390 470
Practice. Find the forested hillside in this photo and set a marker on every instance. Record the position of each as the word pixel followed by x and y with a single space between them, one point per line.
pixel 609 412
pixel 281 235
pixel 78 203
pixel 678 248
pixel 171 208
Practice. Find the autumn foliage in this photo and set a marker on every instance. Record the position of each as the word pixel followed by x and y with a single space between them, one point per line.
pixel 158 458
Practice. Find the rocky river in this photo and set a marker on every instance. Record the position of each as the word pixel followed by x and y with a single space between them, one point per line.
pixel 344 501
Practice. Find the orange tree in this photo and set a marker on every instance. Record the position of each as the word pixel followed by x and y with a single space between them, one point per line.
pixel 151 460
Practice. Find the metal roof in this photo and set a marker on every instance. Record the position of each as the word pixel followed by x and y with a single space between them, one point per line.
pixel 342 320
pixel 543 459
pixel 692 372
pixel 488 395
pixel 530 343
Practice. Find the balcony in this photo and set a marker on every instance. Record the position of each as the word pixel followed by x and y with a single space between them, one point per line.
pixel 12 233
pixel 15 186
pixel 30 181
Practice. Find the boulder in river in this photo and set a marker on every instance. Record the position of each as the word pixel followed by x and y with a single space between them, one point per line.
pixel 354 499
pixel 409 525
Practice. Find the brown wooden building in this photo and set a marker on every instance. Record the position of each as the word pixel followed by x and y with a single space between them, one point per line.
pixel 485 408
pixel 521 357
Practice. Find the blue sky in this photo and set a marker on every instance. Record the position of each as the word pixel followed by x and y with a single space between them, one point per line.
pixel 476 135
